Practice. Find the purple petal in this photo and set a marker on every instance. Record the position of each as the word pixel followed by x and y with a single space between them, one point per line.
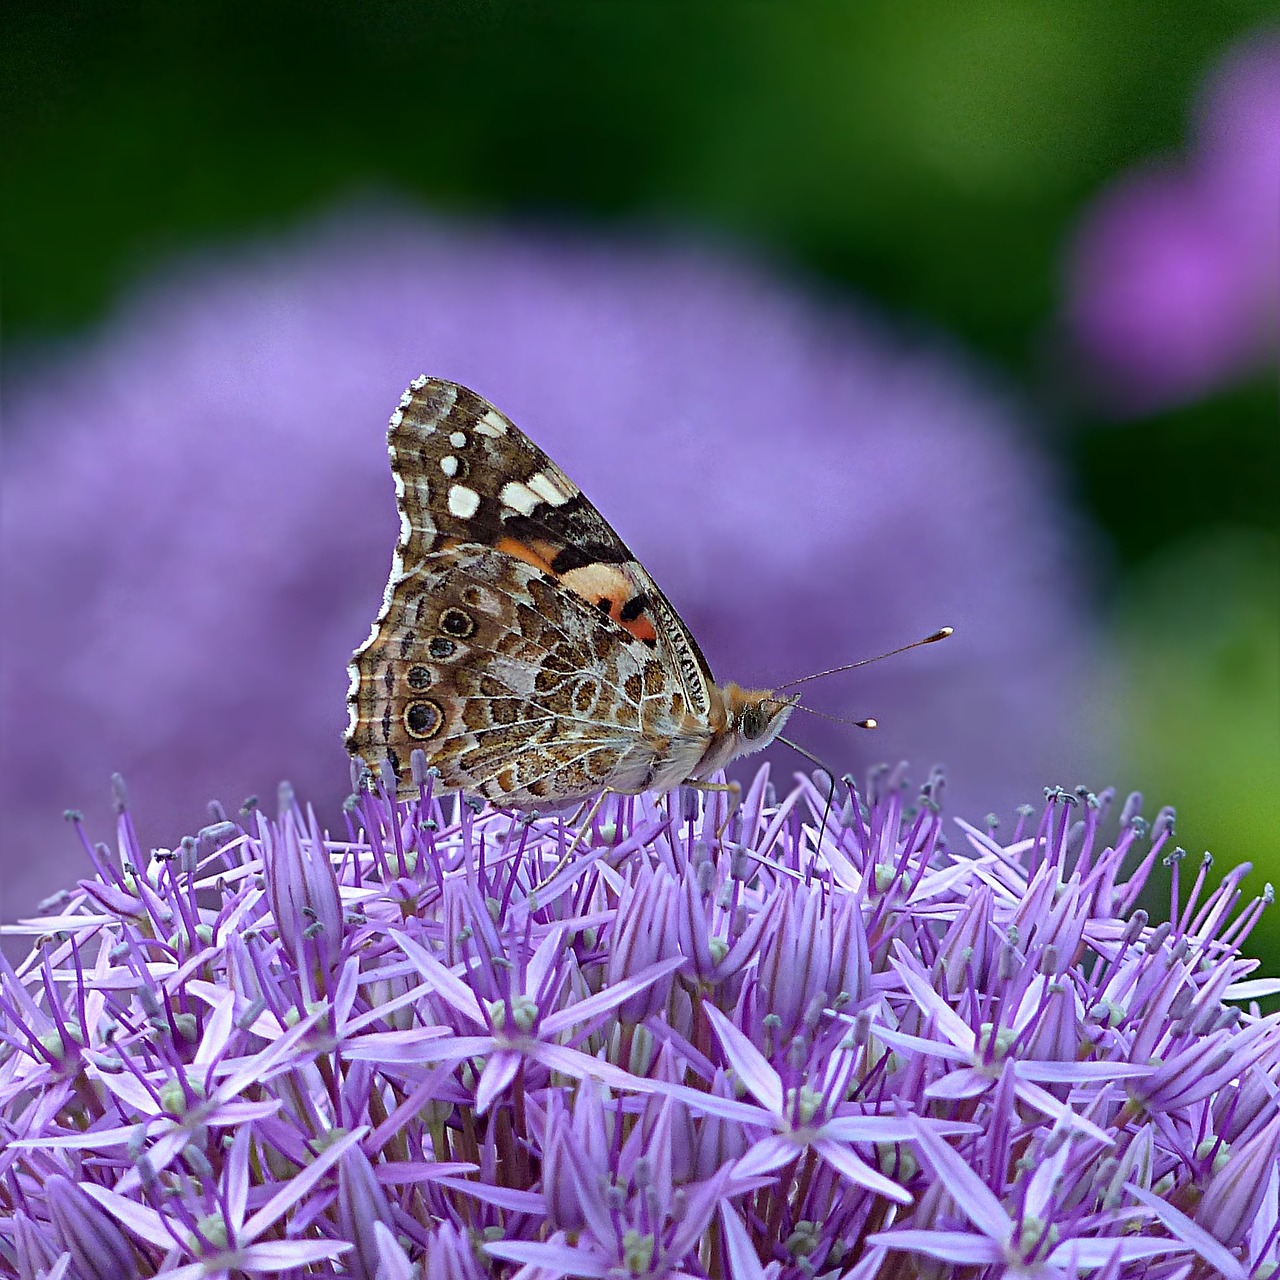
pixel 1096 1253
pixel 858 1171
pixel 950 1246
pixel 968 1190
pixel 917 1044
pixel 557 1260
pixel 1079 1072
pixel 712 1104
pixel 237 1176
pixel 744 1262
pixel 499 1071
pixel 447 985
pixel 1061 1113
pixel 296 1188
pixel 931 1004
pixel 545 959
pixel 584 1067
pixel 891 1128
pixel 967 1082
pixel 583 1011
pixel 509 1198
pixel 1195 1237
pixel 767 1155
pixel 418 1044
pixel 700 1208
pixel 276 1256
pixel 746 1060
pixel 141 1219
pixel 393 1263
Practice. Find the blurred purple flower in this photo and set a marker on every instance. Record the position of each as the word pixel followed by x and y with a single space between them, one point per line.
pixel 1174 279
pixel 471 1087
pixel 198 514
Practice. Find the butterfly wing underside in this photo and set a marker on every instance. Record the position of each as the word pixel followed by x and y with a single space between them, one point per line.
pixel 519 638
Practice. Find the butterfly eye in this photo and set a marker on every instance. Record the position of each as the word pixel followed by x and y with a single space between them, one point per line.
pixel 753 723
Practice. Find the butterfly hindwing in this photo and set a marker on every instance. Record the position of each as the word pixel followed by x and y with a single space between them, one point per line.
pixel 514 687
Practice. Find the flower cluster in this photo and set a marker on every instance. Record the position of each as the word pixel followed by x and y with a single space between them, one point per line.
pixel 815 1035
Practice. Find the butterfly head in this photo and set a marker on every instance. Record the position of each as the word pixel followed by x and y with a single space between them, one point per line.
pixel 754 717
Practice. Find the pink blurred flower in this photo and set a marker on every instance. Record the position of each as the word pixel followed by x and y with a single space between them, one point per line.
pixel 1174 277
pixel 198 515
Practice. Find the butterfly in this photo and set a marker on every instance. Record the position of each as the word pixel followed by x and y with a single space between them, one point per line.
pixel 520 644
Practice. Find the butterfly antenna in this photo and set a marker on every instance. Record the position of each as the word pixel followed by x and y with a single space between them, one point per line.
pixel 868 723
pixel 941 634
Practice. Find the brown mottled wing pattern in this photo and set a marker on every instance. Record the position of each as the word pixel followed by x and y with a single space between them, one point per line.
pixel 518 638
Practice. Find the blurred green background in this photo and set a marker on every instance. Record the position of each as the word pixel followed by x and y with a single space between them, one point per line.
pixel 934 158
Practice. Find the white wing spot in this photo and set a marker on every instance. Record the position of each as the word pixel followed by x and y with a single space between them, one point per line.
pixel 547 489
pixel 458 440
pixel 463 502
pixel 397 418
pixel 418 383
pixel 519 497
pixel 491 424
pixel 449 465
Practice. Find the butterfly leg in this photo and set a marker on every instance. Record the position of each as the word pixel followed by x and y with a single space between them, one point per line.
pixel 583 827
pixel 734 791
pixel 734 788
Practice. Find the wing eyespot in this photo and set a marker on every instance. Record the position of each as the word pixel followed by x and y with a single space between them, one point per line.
pixel 423 720
pixel 457 623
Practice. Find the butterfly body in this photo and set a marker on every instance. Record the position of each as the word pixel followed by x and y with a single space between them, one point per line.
pixel 520 645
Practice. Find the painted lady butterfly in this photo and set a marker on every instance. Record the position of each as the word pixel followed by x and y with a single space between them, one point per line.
pixel 520 644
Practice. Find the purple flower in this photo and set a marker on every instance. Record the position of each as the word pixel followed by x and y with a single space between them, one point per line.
pixel 1029 1241
pixel 1237 1189
pixel 198 515
pixel 1174 278
pixel 474 1084
pixel 304 892
pixel 98 1248
pixel 646 936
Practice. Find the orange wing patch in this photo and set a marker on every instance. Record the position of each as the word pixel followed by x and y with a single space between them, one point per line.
pixel 539 554
pixel 604 586
pixel 596 583
pixel 611 591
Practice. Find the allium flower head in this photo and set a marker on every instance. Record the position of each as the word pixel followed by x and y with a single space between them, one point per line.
pixel 435 1046
pixel 198 515
pixel 1174 281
